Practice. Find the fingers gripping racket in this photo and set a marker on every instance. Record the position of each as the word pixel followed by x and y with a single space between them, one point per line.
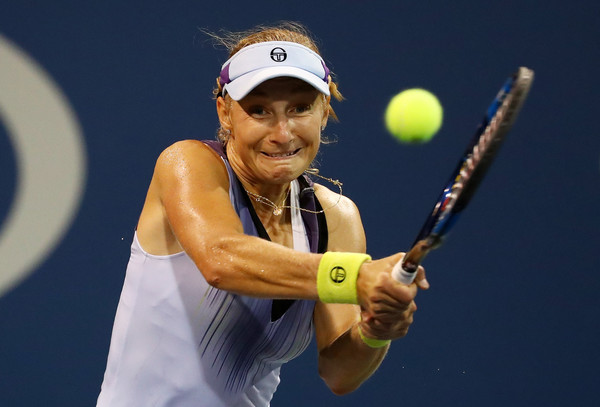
pixel 469 172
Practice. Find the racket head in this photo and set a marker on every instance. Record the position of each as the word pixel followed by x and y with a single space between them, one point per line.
pixel 472 166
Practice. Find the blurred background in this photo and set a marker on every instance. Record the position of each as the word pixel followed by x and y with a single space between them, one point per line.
pixel 92 91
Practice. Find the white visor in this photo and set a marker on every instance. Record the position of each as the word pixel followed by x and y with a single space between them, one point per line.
pixel 256 63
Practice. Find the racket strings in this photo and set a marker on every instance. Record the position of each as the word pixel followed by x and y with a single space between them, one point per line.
pixel 485 140
pixel 474 158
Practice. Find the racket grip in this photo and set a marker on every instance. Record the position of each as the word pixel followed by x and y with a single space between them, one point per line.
pixel 402 275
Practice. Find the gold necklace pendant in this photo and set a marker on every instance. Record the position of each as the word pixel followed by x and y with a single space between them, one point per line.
pixel 278 209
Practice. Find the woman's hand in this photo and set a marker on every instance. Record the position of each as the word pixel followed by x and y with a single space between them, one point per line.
pixel 387 306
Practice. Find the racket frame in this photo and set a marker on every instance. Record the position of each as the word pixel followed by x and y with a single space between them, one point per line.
pixel 470 170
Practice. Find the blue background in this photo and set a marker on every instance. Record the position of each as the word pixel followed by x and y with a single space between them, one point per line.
pixel 512 315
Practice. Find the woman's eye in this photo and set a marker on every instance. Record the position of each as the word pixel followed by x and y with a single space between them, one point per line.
pixel 257 110
pixel 302 108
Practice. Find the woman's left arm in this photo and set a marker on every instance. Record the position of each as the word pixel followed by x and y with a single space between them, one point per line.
pixel 345 360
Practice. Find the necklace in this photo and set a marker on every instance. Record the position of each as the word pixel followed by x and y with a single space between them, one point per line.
pixel 278 209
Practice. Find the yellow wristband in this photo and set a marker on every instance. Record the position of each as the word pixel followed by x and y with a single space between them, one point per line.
pixel 372 343
pixel 337 275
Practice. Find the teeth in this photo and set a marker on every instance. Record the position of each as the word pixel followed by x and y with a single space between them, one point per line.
pixel 281 154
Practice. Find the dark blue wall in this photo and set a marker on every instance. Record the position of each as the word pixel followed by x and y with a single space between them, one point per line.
pixel 512 315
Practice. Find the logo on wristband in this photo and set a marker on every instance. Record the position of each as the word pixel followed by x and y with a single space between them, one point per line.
pixel 337 274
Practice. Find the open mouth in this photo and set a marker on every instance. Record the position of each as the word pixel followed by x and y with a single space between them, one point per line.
pixel 281 155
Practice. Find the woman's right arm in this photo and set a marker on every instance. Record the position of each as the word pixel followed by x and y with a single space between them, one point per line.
pixel 188 207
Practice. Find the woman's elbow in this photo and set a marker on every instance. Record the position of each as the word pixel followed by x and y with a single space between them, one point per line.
pixel 213 276
pixel 338 383
pixel 214 268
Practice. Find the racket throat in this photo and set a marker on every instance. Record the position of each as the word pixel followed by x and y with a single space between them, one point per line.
pixel 419 251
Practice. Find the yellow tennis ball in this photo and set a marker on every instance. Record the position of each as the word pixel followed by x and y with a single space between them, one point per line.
pixel 414 116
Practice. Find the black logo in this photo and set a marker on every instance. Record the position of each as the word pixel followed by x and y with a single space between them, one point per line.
pixel 337 274
pixel 278 54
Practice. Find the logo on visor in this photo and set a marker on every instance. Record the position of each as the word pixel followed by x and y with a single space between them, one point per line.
pixel 278 54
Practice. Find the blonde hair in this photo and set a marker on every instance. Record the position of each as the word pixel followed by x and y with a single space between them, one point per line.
pixel 284 31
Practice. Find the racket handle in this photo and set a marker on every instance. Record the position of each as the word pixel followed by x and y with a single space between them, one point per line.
pixel 405 275
pixel 405 270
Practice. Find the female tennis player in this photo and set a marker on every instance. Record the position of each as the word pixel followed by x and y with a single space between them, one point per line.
pixel 240 257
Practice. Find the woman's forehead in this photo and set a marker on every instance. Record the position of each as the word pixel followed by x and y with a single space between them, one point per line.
pixel 283 85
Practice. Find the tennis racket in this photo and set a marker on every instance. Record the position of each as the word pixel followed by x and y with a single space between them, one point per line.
pixel 469 172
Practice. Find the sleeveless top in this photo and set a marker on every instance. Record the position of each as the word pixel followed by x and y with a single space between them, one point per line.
pixel 177 341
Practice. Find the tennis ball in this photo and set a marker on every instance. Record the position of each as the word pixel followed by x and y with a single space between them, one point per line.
pixel 414 116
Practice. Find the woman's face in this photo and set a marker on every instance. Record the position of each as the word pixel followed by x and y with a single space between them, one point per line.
pixel 275 130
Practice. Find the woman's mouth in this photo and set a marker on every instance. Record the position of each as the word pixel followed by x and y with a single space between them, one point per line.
pixel 281 155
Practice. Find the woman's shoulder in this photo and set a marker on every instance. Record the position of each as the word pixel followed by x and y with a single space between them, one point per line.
pixel 183 147
pixel 346 232
pixel 187 156
pixel 334 203
pixel 186 150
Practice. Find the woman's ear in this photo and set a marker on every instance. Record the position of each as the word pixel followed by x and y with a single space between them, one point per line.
pixel 223 108
pixel 326 110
